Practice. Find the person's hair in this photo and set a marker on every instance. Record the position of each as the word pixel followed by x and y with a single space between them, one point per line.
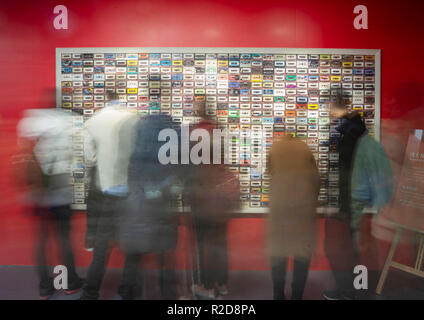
pixel 338 99
pixel 110 95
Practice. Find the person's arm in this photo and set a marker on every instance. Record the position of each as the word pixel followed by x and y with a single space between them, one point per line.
pixel 90 157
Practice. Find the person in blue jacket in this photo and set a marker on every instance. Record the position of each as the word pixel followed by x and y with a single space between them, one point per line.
pixel 365 180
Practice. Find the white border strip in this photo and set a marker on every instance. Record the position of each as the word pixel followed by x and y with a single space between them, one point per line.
pixel 216 50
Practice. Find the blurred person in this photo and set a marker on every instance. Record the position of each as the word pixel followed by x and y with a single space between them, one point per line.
pixel 46 136
pixel 372 180
pixel 212 192
pixel 109 186
pixel 372 186
pixel 292 222
pixel 394 146
pixel 341 250
pixel 94 197
pixel 365 180
pixel 395 131
pixel 125 131
pixel 351 129
pixel 150 223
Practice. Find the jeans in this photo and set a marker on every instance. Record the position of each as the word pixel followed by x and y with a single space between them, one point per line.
pixel 60 219
pixel 300 275
pixel 107 224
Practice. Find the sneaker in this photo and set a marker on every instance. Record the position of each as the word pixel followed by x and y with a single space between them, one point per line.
pixel 186 298
pixel 222 289
pixel 333 295
pixel 46 293
pixel 75 286
pixel 46 296
pixel 46 289
pixel 201 291
pixel 339 295
pixel 349 295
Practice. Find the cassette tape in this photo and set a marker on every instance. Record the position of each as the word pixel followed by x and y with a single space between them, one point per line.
pixel 313 149
pixel 333 177
pixel 255 204
pixel 256 183
pixel 266 184
pixel 244 197
pixel 322 198
pixel 245 184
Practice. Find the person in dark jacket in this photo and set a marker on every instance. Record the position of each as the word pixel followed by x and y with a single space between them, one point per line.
pixel 149 223
pixel 341 247
pixel 212 192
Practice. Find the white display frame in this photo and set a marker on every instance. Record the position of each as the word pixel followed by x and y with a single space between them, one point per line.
pixel 241 50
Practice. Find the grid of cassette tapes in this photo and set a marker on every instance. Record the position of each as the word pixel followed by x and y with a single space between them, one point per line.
pixel 258 96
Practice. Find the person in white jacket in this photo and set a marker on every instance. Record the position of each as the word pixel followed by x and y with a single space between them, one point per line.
pixel 48 175
pixel 109 182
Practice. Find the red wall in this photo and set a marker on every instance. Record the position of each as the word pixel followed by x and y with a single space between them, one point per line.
pixel 27 66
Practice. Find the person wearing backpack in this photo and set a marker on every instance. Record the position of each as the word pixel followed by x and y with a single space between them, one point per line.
pixel 46 134
pixel 149 222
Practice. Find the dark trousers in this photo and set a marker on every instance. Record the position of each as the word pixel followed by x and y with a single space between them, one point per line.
pixel 93 212
pixel 167 277
pixel 342 242
pixel 59 218
pixel 300 275
pixel 341 248
pixel 211 242
pixel 107 223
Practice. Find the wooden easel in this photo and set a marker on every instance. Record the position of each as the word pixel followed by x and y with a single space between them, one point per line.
pixel 416 270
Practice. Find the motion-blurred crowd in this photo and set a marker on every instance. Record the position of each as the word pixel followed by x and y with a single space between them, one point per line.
pixel 134 201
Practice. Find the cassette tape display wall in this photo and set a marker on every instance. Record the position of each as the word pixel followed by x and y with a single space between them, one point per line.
pixel 266 92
